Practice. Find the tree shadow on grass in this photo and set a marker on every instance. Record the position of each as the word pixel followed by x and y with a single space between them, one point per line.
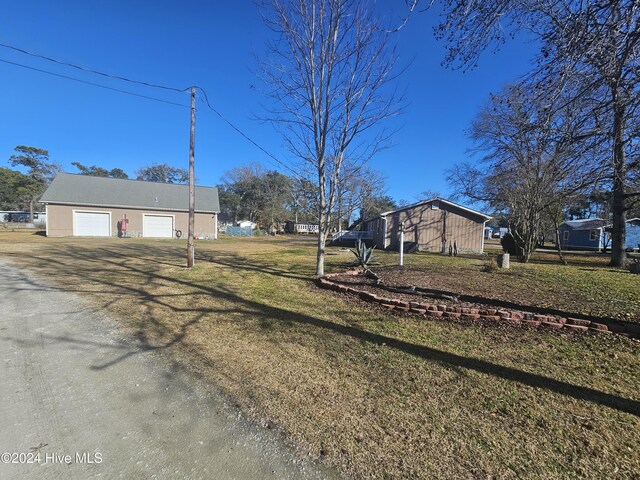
pixel 280 316
pixel 169 255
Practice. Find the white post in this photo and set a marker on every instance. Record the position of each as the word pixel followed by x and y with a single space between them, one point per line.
pixel 215 226
pixel 401 244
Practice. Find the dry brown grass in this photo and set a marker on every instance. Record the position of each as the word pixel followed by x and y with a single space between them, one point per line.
pixel 377 396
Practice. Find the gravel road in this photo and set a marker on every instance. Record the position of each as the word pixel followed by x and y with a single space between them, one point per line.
pixel 80 400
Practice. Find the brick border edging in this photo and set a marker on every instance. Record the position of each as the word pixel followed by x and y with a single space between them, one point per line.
pixel 515 317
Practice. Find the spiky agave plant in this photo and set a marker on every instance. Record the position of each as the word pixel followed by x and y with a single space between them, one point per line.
pixel 363 254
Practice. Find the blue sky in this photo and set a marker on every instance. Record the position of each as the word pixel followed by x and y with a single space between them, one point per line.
pixel 212 44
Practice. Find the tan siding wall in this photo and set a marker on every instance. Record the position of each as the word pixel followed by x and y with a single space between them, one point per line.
pixel 60 220
pixel 425 226
pixel 377 227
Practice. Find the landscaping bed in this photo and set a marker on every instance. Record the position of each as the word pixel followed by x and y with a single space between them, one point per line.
pixel 405 290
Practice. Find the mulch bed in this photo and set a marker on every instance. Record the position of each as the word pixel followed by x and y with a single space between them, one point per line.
pixel 391 291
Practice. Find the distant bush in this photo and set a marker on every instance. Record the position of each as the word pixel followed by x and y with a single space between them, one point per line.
pixel 510 246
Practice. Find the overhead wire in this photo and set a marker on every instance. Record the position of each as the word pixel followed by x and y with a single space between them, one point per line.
pixel 205 100
pixel 92 83
pixel 138 82
pixel 89 70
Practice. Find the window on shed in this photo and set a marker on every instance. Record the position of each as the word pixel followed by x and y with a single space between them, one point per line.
pixel 593 235
pixel 566 235
pixel 435 205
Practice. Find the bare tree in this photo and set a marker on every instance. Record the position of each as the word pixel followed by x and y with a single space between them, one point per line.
pixel 597 41
pixel 329 70
pixel 536 156
pixel 358 188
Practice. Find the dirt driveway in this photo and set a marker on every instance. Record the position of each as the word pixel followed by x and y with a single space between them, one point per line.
pixel 79 400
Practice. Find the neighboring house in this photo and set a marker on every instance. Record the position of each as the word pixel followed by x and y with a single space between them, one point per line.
pixel 246 223
pixel 632 238
pixel 586 234
pixel 86 206
pixel 292 227
pixel 432 225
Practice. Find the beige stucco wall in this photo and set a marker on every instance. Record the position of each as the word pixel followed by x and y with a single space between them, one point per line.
pixel 60 220
pixel 425 225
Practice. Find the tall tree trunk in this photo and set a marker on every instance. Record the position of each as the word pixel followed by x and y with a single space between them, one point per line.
pixel 31 210
pixel 323 221
pixel 619 231
pixel 321 243
pixel 559 245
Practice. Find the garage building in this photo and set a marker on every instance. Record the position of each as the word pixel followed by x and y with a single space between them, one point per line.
pixel 86 206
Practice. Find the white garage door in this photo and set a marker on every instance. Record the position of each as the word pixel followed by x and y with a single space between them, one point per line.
pixel 91 224
pixel 158 226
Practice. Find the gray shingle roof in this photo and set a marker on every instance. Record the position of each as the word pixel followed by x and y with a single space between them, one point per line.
pixel 585 224
pixel 71 189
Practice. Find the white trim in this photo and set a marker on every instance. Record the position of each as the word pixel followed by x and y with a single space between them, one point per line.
pixel 173 223
pixel 442 200
pixel 73 218
pixel 215 226
pixel 132 207
pixel 626 221
pixel 46 223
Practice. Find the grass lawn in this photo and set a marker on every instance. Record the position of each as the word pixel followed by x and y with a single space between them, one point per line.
pixel 374 394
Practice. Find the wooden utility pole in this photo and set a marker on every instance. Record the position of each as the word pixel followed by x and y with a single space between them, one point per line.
pixel 192 188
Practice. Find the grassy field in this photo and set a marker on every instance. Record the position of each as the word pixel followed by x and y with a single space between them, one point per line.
pixel 373 394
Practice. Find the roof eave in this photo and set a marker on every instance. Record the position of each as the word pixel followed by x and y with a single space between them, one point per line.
pixel 135 207
pixel 424 202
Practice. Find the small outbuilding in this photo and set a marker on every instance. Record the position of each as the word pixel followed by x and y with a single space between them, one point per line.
pixel 87 206
pixel 633 233
pixel 433 225
pixel 585 234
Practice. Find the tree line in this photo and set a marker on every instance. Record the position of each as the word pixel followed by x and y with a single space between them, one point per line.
pixel 21 189
pixel 270 198
pixel 249 192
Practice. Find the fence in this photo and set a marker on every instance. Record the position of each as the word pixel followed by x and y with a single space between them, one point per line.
pixel 239 231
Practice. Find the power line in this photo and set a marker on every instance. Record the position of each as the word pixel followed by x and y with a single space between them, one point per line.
pixel 244 135
pixel 93 84
pixel 89 70
pixel 138 82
